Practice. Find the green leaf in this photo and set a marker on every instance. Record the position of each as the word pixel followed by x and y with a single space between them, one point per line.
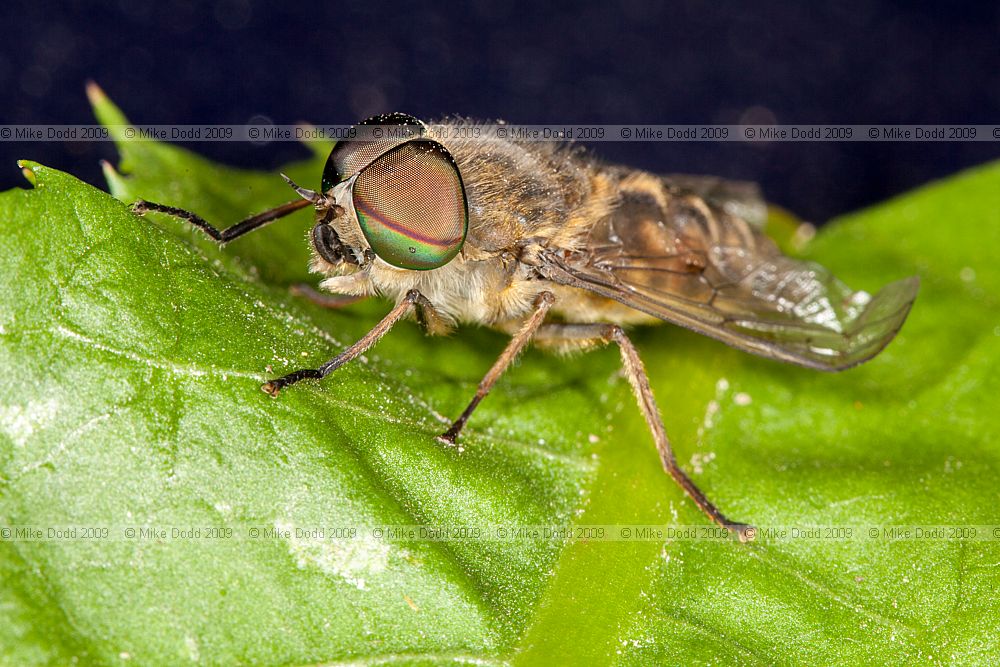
pixel 133 351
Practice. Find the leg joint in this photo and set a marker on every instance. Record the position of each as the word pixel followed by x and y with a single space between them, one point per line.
pixel 545 298
pixel 416 298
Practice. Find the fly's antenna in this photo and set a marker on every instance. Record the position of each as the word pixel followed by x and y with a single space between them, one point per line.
pixel 309 195
pixel 321 202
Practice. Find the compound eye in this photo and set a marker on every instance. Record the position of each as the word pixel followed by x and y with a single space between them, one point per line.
pixel 374 136
pixel 411 206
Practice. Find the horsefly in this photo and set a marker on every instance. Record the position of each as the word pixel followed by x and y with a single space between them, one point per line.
pixel 554 247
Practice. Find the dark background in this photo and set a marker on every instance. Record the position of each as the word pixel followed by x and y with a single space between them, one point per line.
pixel 230 61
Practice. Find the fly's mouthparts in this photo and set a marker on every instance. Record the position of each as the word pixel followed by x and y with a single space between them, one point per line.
pixel 329 246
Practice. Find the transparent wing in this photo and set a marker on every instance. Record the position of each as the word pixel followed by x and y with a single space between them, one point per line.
pixel 678 258
pixel 742 199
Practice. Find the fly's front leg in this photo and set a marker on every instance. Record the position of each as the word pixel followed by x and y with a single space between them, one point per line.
pixel 412 298
pixel 569 336
pixel 323 299
pixel 543 303
pixel 224 236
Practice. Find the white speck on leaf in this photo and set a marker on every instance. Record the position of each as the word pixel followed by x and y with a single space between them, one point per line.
pixel 192 648
pixel 20 422
pixel 699 461
pixel 709 419
pixel 351 560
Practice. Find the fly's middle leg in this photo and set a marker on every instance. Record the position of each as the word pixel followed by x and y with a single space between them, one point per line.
pixel 543 302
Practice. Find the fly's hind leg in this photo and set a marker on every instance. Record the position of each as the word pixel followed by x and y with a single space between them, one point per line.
pixel 567 337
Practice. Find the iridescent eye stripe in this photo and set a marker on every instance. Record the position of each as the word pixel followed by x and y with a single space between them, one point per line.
pixel 411 206
pixel 403 231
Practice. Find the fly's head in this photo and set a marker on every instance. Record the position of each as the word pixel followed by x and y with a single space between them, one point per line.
pixel 389 194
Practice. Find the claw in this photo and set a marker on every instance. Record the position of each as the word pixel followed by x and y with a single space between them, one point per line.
pixel 446 438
